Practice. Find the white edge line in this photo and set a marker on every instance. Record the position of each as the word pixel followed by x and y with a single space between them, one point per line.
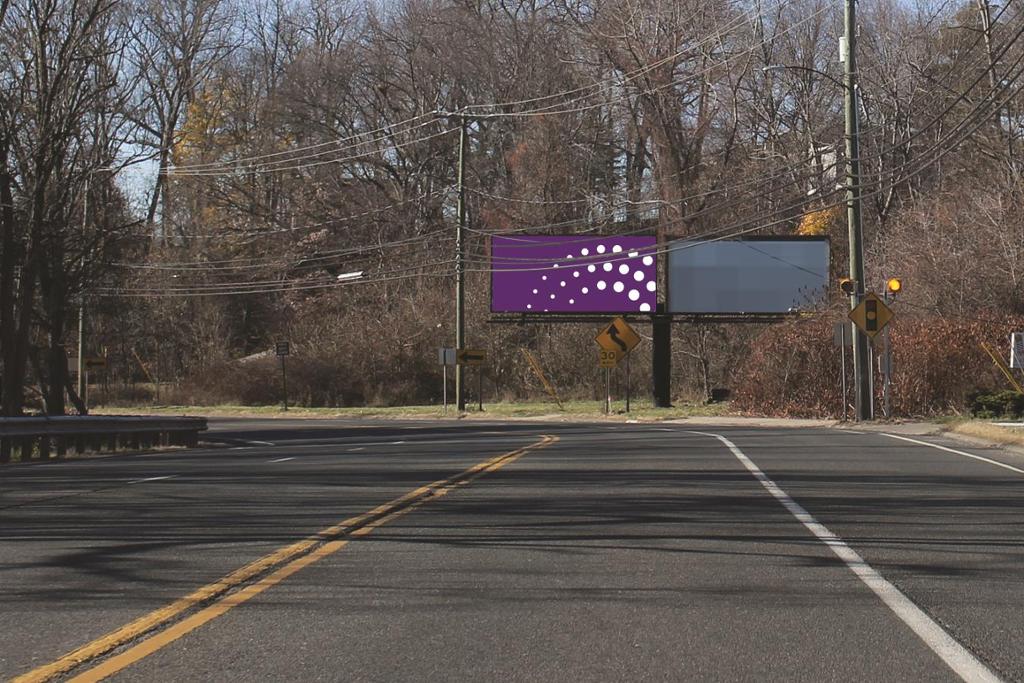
pixel 955 655
pixel 283 459
pixel 990 461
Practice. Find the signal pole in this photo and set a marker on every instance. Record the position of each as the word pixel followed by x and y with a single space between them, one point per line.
pixel 861 364
pixel 460 271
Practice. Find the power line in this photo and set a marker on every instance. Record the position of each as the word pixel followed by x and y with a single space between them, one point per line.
pixel 947 138
pixel 312 164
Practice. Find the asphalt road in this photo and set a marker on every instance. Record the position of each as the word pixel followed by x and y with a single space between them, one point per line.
pixel 600 552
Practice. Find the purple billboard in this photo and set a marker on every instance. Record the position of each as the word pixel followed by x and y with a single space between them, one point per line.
pixel 573 274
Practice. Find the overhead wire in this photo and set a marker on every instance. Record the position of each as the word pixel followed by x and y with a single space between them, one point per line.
pixel 878 154
pixel 260 157
pixel 735 231
pixel 686 243
pixel 298 262
pixel 761 179
pixel 690 241
pixel 312 226
pixel 429 117
pixel 214 173
pixel 924 167
pixel 942 145
pixel 266 287
pixel 233 167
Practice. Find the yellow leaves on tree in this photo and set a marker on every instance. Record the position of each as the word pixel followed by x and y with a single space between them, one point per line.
pixel 202 130
pixel 818 222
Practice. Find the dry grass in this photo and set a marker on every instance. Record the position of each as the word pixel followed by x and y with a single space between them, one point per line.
pixel 641 410
pixel 1006 436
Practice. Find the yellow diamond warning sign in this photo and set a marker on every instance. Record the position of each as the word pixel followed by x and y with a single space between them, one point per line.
pixel 871 315
pixel 618 336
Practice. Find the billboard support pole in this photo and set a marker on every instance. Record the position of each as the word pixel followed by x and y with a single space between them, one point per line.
pixel 661 356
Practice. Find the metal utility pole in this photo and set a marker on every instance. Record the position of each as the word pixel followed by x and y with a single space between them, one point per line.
pixel 460 272
pixel 861 364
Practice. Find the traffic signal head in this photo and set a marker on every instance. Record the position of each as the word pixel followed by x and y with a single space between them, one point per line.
pixel 847 285
pixel 894 285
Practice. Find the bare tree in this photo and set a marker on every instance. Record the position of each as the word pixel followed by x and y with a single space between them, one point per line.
pixel 177 46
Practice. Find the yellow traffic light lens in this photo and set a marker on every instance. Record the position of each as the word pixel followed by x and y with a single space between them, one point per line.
pixel 894 285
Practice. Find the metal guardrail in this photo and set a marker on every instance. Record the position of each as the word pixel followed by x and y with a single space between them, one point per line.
pixel 39 437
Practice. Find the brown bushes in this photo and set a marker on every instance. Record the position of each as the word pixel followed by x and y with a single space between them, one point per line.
pixel 793 368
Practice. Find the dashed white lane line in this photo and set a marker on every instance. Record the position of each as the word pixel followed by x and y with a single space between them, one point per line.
pixel 283 459
pixel 360 448
pixel 955 655
pixel 990 461
pixel 149 479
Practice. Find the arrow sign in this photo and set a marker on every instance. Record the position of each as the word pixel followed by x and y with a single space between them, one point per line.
pixel 613 332
pixel 618 337
pixel 470 357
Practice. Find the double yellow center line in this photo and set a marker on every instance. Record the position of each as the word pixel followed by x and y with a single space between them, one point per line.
pixel 165 625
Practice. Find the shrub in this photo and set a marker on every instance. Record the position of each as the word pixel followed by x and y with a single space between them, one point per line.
pixel 1009 404
pixel 939 365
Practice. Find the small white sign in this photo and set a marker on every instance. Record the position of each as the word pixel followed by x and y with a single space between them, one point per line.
pixel 1017 350
pixel 446 356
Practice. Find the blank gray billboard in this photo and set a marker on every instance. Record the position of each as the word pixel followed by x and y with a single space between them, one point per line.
pixel 759 275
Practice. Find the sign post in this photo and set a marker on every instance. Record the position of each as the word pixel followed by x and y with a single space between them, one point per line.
pixel 871 316
pixel 283 349
pixel 475 357
pixel 886 368
pixel 443 380
pixel 607 391
pixel 1017 350
pixel 616 340
pixel 445 356
pixel 627 383
pixel 459 358
pixel 841 337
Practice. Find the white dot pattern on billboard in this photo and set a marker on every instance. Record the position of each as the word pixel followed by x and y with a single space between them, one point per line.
pixel 607 274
